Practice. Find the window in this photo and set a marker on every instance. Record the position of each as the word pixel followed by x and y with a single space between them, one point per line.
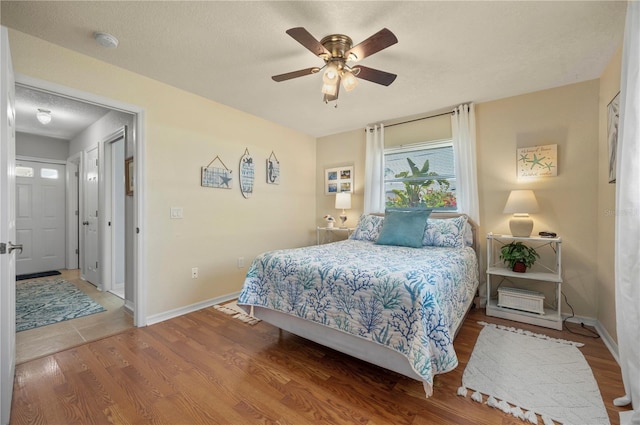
pixel 22 171
pixel 421 175
pixel 48 173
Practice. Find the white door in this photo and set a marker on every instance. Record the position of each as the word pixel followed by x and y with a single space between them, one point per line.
pixel 90 224
pixel 7 229
pixel 40 216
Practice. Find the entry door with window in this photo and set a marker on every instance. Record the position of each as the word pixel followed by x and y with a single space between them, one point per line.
pixel 40 216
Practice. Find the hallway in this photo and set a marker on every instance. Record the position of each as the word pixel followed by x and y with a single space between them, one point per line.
pixel 34 343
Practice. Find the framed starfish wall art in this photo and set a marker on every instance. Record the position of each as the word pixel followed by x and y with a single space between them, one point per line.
pixel 537 161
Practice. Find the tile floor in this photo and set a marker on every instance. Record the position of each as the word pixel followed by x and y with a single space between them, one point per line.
pixel 45 340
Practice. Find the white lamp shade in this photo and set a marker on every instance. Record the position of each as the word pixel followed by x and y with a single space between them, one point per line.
pixel 343 201
pixel 521 202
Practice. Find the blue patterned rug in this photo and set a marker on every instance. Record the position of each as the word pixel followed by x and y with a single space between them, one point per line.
pixel 44 302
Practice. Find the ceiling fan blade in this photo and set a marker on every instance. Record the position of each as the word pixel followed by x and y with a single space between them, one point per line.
pixel 375 75
pixel 295 74
pixel 303 37
pixel 378 41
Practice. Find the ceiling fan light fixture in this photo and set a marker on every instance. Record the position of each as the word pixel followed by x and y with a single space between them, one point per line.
pixel 349 81
pixel 44 116
pixel 330 88
pixel 330 74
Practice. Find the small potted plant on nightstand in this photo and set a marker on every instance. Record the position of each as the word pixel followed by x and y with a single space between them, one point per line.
pixel 518 256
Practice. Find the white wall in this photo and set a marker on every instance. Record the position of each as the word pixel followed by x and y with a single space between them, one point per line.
pixel 41 146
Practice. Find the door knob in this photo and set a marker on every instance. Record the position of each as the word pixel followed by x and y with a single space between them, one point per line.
pixel 11 247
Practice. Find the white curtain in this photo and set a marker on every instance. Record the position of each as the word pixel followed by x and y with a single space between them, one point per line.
pixel 463 131
pixel 627 245
pixel 374 170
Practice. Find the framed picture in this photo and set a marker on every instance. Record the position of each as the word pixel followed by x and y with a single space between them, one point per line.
pixel 338 180
pixel 537 161
pixel 128 176
pixel 613 118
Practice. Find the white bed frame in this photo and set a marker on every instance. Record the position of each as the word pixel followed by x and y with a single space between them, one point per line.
pixel 352 345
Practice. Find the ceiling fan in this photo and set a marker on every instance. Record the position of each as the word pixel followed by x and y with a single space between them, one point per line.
pixel 336 51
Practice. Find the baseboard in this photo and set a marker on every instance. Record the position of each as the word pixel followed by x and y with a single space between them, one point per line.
pixel 611 345
pixel 161 317
pixel 608 341
pixel 128 306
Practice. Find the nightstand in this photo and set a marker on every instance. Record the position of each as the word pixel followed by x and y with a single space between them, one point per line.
pixel 330 234
pixel 522 297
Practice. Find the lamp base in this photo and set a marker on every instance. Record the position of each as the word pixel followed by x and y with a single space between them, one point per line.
pixel 343 218
pixel 521 225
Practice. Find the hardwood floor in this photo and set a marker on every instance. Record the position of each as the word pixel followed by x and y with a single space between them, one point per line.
pixel 208 368
pixel 45 340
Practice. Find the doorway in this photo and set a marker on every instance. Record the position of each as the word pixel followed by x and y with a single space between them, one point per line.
pixel 133 143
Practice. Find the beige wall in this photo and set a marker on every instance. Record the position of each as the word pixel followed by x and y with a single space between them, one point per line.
pixel 566 116
pixel 183 133
pixel 348 148
pixel 609 86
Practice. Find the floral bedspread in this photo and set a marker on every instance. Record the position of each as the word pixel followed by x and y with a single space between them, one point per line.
pixel 411 300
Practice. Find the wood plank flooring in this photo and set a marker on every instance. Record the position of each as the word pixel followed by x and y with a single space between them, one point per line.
pixel 207 368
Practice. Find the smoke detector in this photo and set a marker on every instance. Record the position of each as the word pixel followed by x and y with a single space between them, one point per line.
pixel 106 40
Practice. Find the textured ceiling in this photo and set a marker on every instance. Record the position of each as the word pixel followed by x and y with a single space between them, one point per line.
pixel 448 52
pixel 68 117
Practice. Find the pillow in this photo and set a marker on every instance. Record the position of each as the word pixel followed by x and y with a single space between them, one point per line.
pixel 403 228
pixel 445 232
pixel 468 234
pixel 368 228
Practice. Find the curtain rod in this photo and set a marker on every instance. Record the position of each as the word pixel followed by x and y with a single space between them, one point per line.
pixel 420 119
pixel 417 119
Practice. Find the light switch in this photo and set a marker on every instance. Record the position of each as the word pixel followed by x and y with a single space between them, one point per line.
pixel 176 212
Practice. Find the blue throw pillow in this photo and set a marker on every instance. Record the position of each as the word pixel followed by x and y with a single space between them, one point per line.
pixel 403 228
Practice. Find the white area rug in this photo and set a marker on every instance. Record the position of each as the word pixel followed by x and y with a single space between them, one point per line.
pixel 236 312
pixel 525 374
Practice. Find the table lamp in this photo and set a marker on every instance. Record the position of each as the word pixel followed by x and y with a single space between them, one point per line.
pixel 520 203
pixel 343 202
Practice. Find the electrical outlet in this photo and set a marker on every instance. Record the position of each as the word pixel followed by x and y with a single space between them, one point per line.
pixel 240 262
pixel 194 273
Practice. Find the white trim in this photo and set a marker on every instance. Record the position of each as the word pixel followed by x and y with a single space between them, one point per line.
pixel 106 208
pixel 41 160
pixel 608 341
pixel 611 345
pixel 140 250
pixel 161 317
pixel 73 220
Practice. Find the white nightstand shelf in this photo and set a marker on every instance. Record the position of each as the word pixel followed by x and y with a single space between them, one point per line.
pixel 547 271
pixel 328 234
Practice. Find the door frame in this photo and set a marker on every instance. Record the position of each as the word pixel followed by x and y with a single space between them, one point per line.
pixel 139 194
pixel 74 168
pixel 105 201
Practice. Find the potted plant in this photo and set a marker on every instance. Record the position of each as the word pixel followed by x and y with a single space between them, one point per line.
pixel 518 256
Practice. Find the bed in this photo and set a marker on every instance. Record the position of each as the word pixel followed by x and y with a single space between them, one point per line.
pixel 394 306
